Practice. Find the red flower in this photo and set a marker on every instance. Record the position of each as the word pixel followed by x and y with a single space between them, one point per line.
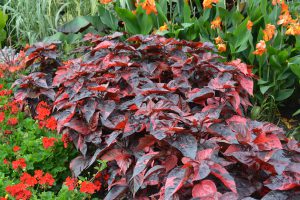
pixel 2 116
pixel 43 110
pixel 12 121
pixel 14 108
pixel 38 174
pixel 65 139
pixel 47 179
pixel 1 86
pixel 71 183
pixel 48 142
pixel 106 177
pixel 16 148
pixel 19 191
pixel 88 187
pixel 27 179
pixel 19 163
pixel 51 123
pixel 7 132
pixel 5 162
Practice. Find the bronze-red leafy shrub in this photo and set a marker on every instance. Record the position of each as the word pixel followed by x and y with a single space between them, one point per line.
pixel 168 117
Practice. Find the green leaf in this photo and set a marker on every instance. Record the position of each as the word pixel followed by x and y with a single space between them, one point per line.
pixel 108 18
pixel 130 20
pixel 76 25
pixel 264 89
pixel 3 19
pixel 284 94
pixel 294 64
pixel 296 113
pixel 274 62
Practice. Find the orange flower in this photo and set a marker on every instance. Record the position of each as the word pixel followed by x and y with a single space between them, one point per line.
pixel 207 3
pixel 285 19
pixel 269 32
pixel 149 6
pixel 284 7
pixel 249 24
pixel 222 47
pixel 260 48
pixel 216 23
pixel 293 29
pixel 105 1
pixel 219 40
pixel 164 27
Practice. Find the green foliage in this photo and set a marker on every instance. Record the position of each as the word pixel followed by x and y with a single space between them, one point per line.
pixel 31 21
pixel 3 19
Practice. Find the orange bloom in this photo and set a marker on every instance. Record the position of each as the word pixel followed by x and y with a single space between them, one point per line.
pixel 216 23
pixel 207 3
pixel 164 27
pixel 219 40
pixel 105 1
pixel 285 19
pixel 221 47
pixel 149 6
pixel 260 48
pixel 249 24
pixel 293 29
pixel 269 32
pixel 284 7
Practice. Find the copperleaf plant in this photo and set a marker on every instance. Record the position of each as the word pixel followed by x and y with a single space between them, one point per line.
pixel 169 119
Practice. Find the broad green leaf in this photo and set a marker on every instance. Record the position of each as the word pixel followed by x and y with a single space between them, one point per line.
pixel 108 18
pixel 294 64
pixel 130 20
pixel 264 89
pixel 3 19
pixel 284 94
pixel 74 26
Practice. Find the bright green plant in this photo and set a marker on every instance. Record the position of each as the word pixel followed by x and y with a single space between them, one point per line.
pixel 3 19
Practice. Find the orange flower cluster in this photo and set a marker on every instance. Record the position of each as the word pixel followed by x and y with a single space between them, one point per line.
pixel 249 25
pixel 216 23
pixel 260 48
pixel 269 32
pixel 149 6
pixel 285 19
pixel 220 44
pixel 208 3
pixel 105 1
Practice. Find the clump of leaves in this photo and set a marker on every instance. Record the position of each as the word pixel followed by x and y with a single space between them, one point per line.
pixel 168 117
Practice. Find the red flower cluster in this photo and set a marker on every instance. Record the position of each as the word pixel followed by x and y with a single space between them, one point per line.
pixel 65 139
pixel 5 92
pixel 42 179
pixel 19 191
pixel 71 183
pixel 2 116
pixel 16 148
pixel 88 187
pixel 12 121
pixel 28 180
pixel 20 163
pixel 43 110
pixel 5 162
pixel 47 179
pixel 48 142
